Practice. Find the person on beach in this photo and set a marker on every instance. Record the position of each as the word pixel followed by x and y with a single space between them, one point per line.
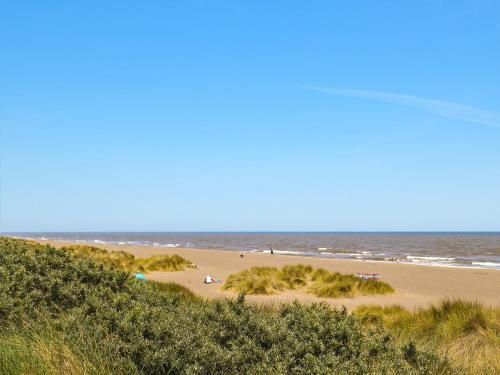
pixel 209 279
pixel 272 252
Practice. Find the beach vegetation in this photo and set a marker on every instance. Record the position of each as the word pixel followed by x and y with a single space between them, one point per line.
pixel 320 282
pixel 66 314
pixel 466 333
pixel 256 280
pixel 172 289
pixel 128 262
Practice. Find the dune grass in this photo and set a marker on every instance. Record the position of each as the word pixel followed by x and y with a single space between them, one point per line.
pixel 19 355
pixel 467 333
pixel 320 282
pixel 127 262
pixel 256 280
pixel 41 349
pixel 335 285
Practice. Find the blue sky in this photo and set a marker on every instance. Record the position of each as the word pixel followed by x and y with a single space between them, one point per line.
pixel 227 115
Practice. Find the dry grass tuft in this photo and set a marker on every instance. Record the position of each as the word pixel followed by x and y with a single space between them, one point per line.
pixel 127 262
pixel 256 280
pixel 466 333
pixel 320 282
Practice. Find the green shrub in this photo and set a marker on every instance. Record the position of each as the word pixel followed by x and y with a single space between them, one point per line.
pixel 173 289
pixel 102 320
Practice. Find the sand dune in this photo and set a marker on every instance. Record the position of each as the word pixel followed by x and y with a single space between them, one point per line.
pixel 415 285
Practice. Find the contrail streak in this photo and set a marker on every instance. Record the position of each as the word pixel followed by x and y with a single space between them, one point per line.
pixel 439 107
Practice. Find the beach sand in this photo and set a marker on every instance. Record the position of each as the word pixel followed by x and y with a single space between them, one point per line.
pixel 415 285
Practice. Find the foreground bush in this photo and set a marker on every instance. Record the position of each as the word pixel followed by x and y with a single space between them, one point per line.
pixel 320 282
pixel 97 320
pixel 467 333
pixel 128 262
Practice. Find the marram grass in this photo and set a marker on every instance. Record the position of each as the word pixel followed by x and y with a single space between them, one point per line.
pixel 466 333
pixel 256 280
pixel 320 282
pixel 127 262
pixel 39 348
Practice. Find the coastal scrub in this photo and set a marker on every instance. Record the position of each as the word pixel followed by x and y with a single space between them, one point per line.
pixel 65 314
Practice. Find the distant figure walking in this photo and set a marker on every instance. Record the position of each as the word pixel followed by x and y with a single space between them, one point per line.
pixel 241 256
pixel 272 251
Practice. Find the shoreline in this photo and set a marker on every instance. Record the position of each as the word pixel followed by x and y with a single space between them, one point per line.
pixel 420 260
pixel 415 286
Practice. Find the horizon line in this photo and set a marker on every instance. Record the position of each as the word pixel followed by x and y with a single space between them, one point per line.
pixel 263 231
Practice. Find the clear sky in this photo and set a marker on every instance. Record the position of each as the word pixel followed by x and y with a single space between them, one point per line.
pixel 255 115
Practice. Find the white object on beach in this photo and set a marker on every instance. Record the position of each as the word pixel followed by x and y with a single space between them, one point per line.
pixel 209 279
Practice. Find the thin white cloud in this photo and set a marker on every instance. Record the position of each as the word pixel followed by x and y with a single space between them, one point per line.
pixel 439 107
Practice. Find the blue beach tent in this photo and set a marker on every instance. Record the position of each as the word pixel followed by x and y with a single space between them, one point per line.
pixel 139 276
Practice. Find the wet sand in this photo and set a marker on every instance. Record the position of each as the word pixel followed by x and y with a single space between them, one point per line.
pixel 415 285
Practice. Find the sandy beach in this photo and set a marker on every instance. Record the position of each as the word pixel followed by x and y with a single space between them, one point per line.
pixel 415 285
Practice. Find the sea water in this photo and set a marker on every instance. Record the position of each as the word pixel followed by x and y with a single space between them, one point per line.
pixel 450 249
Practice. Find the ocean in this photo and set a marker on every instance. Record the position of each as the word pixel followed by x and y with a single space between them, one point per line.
pixel 450 249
